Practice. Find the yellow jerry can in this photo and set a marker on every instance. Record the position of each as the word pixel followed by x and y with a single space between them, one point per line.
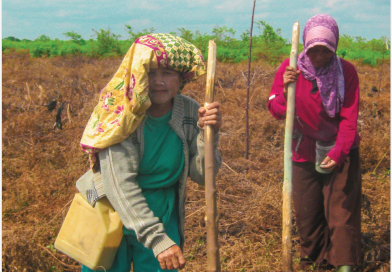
pixel 90 235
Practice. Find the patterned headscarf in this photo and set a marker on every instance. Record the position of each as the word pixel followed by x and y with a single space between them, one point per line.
pixel 323 30
pixel 124 100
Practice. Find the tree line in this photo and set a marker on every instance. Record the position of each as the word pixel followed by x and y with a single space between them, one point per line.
pixel 268 45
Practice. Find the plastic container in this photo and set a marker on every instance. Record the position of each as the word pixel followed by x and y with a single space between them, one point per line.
pixel 322 149
pixel 90 235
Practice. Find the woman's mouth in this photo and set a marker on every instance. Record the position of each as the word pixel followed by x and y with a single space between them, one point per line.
pixel 159 91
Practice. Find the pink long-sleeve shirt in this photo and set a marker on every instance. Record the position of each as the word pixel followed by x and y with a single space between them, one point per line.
pixel 311 119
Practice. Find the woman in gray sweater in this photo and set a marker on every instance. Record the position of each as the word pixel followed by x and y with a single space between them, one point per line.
pixel 144 139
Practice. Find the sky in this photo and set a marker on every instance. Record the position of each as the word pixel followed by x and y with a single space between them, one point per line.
pixel 29 19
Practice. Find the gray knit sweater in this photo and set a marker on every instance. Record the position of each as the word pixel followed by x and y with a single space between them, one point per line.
pixel 119 167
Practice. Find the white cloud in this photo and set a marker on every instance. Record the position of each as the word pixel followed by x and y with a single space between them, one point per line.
pixel 193 3
pixel 344 4
pixel 313 11
pixel 145 5
pixel 331 3
pixel 231 5
pixel 68 13
pixel 262 16
pixel 366 17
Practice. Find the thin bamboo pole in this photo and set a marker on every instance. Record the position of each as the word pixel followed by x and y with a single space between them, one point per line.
pixel 288 163
pixel 247 88
pixel 211 218
pixel 382 63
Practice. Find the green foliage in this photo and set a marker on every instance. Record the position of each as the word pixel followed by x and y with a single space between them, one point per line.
pixel 107 44
pixel 223 34
pixel 43 38
pixel 268 44
pixel 10 38
pixel 135 35
pixel 75 37
pixel 185 34
pixel 369 52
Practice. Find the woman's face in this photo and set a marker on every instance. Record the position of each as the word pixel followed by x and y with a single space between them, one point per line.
pixel 164 84
pixel 319 55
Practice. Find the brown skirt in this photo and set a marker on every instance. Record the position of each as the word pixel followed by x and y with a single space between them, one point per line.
pixel 328 212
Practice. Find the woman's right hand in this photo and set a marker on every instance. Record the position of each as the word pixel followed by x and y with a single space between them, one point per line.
pixel 289 76
pixel 171 258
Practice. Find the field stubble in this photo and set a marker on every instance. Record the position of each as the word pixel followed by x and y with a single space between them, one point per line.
pixel 42 164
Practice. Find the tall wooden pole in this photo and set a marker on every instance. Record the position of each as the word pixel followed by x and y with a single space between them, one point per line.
pixel 213 262
pixel 247 88
pixel 382 62
pixel 288 163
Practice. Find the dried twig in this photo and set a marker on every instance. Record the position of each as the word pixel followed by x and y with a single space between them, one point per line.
pixel 235 222
pixel 41 92
pixel 62 209
pixel 69 114
pixel 223 91
pixel 64 264
pixel 202 208
pixel 28 97
pixel 381 160
pixel 225 164
pixel 28 143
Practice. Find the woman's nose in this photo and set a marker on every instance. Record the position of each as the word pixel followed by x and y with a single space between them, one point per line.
pixel 319 56
pixel 158 78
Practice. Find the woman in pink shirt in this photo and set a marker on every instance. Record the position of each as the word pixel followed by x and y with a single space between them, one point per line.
pixel 326 182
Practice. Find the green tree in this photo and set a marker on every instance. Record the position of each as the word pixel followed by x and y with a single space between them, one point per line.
pixel 269 34
pixel 42 38
pixel 74 37
pixel 186 34
pixel 135 35
pixel 107 43
pixel 11 38
pixel 245 36
pixel 223 34
pixel 270 45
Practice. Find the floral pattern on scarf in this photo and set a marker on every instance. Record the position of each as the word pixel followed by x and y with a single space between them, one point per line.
pixel 124 100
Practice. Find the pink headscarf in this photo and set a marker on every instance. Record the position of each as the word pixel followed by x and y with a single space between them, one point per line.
pixel 323 30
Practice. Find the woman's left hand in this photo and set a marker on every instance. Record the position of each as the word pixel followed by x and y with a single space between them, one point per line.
pixel 171 258
pixel 210 116
pixel 328 163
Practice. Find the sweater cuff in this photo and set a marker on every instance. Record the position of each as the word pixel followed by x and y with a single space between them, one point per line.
pixel 161 243
pixel 201 132
pixel 334 155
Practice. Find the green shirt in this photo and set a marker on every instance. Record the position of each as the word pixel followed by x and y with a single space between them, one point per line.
pixel 161 167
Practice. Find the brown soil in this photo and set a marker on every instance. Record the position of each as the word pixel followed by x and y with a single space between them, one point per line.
pixel 42 164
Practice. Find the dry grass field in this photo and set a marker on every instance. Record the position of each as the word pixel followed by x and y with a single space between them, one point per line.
pixel 42 164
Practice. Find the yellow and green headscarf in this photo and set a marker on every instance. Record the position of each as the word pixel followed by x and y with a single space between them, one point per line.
pixel 124 100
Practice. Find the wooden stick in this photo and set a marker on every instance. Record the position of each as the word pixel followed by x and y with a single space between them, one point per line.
pixel 211 218
pixel 382 63
pixel 288 163
pixel 247 88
